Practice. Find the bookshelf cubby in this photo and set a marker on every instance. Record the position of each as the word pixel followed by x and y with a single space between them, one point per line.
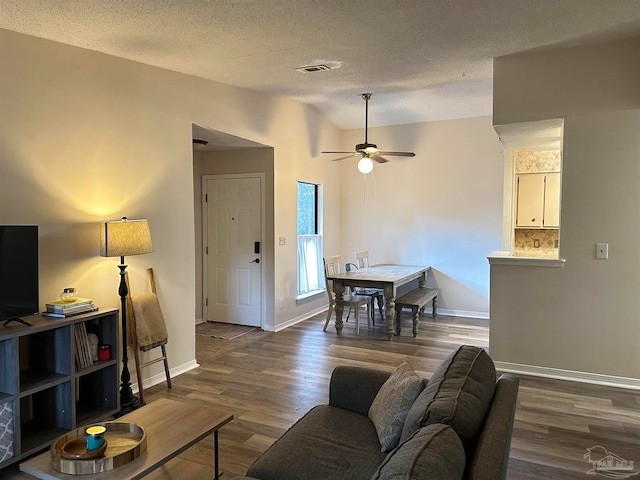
pixel 47 393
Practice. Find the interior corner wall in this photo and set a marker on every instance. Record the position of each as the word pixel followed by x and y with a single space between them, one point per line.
pixel 583 317
pixel 441 208
pixel 87 137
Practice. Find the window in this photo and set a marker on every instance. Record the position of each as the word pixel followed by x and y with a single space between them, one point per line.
pixel 310 274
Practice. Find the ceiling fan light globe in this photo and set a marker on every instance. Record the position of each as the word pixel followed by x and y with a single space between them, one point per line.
pixel 365 165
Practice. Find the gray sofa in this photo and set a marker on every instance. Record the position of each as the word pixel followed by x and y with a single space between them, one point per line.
pixel 458 426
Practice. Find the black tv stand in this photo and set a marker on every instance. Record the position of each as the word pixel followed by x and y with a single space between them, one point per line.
pixel 19 320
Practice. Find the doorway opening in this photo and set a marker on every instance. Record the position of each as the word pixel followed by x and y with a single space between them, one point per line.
pixel 233 192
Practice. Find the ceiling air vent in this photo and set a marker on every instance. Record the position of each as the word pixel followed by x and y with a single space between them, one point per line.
pixel 313 68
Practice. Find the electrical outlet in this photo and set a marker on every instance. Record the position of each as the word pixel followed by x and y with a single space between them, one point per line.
pixel 281 303
pixel 282 240
pixel 602 251
pixel 536 243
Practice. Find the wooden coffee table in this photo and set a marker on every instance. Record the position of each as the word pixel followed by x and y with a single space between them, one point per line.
pixel 171 428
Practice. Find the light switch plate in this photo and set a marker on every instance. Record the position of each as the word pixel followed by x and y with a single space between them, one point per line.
pixel 602 251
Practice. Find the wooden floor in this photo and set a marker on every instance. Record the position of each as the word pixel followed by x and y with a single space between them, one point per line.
pixel 269 380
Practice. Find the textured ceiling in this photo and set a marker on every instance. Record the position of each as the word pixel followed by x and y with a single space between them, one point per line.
pixel 422 59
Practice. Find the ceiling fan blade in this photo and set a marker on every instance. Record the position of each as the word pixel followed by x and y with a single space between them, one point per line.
pixel 343 158
pixel 378 158
pixel 398 154
pixel 351 152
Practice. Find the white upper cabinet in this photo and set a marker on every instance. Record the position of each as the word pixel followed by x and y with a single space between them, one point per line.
pixel 551 217
pixel 538 200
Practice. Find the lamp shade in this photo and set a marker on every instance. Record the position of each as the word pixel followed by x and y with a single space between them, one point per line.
pixel 125 237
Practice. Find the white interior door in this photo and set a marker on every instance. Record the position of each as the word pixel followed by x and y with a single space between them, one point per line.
pixel 233 236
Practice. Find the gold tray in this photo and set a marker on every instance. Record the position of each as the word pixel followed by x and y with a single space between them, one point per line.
pixel 125 442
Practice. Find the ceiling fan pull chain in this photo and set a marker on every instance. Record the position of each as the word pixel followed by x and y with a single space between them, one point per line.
pixel 364 189
pixel 373 193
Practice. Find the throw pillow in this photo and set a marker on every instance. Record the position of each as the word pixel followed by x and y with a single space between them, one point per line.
pixel 434 452
pixel 392 403
pixel 458 394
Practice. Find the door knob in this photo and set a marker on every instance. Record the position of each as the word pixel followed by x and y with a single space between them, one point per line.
pixel 257 260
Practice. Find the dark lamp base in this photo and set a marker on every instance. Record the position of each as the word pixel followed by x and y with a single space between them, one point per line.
pixel 133 404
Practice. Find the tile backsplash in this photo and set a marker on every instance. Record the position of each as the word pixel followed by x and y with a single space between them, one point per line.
pixel 525 241
pixel 533 161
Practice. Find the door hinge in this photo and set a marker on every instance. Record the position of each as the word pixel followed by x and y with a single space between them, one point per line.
pixel 206 197
pixel 206 250
pixel 206 302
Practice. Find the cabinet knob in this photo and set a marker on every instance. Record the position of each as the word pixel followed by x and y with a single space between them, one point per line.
pixel 533 219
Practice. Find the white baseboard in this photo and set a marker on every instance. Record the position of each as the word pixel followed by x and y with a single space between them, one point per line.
pixel 160 377
pixel 571 375
pixel 299 319
pixel 457 313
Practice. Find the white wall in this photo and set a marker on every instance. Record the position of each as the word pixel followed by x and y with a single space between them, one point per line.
pixel 441 208
pixel 583 317
pixel 87 137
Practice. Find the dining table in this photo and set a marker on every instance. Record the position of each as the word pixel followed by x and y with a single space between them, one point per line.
pixel 387 277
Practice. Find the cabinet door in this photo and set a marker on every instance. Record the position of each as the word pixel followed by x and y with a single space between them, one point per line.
pixel 530 197
pixel 552 201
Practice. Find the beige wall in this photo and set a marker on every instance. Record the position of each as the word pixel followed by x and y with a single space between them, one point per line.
pixel 583 317
pixel 550 84
pixel 87 137
pixel 441 208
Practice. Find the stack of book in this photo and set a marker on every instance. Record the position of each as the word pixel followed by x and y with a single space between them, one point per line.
pixel 67 309
pixel 82 348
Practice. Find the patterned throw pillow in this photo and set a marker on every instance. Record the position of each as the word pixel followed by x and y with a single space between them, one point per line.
pixel 392 403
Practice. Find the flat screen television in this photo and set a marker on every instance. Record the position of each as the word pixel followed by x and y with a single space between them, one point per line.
pixel 18 272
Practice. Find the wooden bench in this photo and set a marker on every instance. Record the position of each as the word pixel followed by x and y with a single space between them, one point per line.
pixel 416 300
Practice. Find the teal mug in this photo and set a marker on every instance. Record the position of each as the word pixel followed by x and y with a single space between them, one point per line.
pixel 95 437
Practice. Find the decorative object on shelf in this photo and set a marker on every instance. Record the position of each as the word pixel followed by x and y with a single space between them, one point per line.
pixel 119 239
pixel 69 295
pixel 68 308
pixel 95 437
pixel 93 346
pixel 104 353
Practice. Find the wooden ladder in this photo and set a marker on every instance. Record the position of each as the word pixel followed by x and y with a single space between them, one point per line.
pixel 133 339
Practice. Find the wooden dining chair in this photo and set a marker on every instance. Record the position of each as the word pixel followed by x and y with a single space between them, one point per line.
pixel 332 267
pixel 362 261
pixel 375 294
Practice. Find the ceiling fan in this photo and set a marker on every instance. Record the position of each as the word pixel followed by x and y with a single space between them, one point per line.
pixel 368 150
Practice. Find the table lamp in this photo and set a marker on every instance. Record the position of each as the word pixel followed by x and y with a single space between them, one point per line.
pixel 118 239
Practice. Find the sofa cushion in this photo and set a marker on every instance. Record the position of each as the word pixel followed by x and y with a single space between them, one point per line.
pixel 458 394
pixel 328 443
pixel 434 452
pixel 392 403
